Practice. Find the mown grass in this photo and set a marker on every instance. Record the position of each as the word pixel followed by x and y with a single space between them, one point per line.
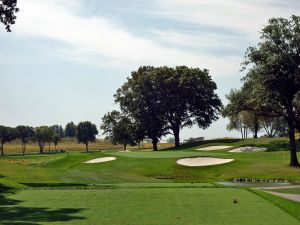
pixel 143 187
pixel 288 190
pixel 142 206
pixel 291 207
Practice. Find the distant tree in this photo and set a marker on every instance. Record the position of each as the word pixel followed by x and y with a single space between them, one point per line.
pixel 190 140
pixel 7 134
pixel 8 8
pixel 276 62
pixel 86 132
pixel 57 129
pixel 56 139
pixel 119 128
pixel 243 115
pixel 26 134
pixel 43 135
pixel 70 130
pixel 239 123
pixel 274 126
pixel 171 140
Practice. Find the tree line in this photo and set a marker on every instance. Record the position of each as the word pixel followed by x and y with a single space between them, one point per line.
pixel 85 132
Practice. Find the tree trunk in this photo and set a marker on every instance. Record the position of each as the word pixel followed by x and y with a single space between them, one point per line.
pixel 176 131
pixel 256 126
pixel 41 149
pixel 55 148
pixel 87 147
pixel 23 148
pixel 49 148
pixel 124 146
pixel 293 148
pixel 290 120
pixel 154 143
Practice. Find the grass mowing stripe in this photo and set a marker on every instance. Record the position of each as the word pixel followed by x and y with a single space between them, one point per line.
pixel 290 207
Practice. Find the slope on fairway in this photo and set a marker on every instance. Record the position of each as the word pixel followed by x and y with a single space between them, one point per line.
pixel 188 206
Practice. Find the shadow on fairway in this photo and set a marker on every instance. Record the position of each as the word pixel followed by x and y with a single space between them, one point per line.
pixel 12 213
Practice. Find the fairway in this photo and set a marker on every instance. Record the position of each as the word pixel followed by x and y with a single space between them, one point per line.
pixel 186 206
pixel 143 187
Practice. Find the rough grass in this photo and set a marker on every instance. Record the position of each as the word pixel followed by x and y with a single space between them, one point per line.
pixel 72 145
pixel 141 206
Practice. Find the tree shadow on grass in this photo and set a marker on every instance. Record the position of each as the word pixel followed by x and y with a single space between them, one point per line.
pixel 11 212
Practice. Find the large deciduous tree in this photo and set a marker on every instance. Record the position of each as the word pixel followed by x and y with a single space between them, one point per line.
pixel 86 132
pixel 138 98
pixel 8 10
pixel 187 97
pixel 7 134
pixel 167 99
pixel 119 128
pixel 26 134
pixel 276 62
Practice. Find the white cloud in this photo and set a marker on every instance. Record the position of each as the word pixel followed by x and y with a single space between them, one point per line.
pixel 242 17
pixel 101 41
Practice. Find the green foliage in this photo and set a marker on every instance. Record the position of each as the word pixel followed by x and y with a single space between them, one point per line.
pixel 56 139
pixel 8 8
pixel 119 128
pixel 26 134
pixel 7 134
pixel 167 99
pixel 70 130
pixel 57 129
pixel 43 135
pixel 275 64
pixel 86 132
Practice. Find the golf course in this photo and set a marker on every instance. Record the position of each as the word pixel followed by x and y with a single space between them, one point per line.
pixel 149 187
pixel 161 112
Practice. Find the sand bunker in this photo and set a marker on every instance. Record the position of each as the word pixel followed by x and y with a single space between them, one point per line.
pixel 212 148
pixel 248 149
pixel 202 161
pixel 101 160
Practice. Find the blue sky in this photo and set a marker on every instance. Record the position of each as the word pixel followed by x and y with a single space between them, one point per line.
pixel 65 59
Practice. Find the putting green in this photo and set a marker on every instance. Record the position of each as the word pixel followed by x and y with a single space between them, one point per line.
pixel 143 206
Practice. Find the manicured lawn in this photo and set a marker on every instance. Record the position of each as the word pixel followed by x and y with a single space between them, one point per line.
pixel 288 190
pixel 144 187
pixel 140 206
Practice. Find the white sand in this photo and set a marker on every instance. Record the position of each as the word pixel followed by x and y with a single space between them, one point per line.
pixel 212 148
pixel 202 161
pixel 101 160
pixel 248 149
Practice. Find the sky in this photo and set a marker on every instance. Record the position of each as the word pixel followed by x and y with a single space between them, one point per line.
pixel 64 59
